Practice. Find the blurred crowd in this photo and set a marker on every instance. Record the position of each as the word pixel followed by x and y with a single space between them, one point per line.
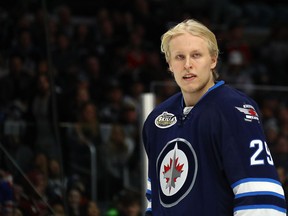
pixel 71 78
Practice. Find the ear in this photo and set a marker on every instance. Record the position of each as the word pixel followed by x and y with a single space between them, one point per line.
pixel 213 62
pixel 170 69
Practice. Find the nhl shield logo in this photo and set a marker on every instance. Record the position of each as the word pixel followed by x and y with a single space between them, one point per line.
pixel 177 169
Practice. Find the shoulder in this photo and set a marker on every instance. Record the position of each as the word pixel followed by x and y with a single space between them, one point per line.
pixel 172 103
pixel 226 97
pixel 168 110
pixel 227 103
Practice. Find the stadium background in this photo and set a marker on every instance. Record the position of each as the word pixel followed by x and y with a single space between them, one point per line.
pixel 71 77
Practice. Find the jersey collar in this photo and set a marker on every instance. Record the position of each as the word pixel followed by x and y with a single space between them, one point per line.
pixel 217 84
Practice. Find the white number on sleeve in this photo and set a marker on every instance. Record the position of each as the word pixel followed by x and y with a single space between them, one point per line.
pixel 259 147
pixel 269 156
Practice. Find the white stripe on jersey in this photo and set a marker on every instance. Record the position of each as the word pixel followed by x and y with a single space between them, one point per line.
pixel 148 184
pixel 258 185
pixel 148 191
pixel 149 206
pixel 259 212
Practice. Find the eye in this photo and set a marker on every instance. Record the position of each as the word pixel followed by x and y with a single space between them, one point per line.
pixel 196 55
pixel 179 57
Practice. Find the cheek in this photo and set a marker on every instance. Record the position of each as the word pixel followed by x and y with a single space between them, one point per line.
pixel 174 67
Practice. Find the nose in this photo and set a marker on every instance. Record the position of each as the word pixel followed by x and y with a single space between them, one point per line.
pixel 188 64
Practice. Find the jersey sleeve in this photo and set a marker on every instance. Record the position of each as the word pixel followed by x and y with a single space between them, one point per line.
pixel 247 162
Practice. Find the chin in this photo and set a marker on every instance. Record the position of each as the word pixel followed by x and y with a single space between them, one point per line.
pixel 193 88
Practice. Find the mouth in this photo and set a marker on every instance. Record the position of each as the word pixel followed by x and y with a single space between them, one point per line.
pixel 189 76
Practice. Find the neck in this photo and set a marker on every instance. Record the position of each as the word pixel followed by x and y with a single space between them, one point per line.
pixel 191 98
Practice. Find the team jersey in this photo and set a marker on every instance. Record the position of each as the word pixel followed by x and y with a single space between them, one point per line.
pixel 211 160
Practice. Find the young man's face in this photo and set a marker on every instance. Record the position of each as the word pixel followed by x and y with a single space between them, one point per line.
pixel 191 64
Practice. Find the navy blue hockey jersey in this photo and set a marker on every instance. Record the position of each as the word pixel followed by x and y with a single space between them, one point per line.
pixel 212 161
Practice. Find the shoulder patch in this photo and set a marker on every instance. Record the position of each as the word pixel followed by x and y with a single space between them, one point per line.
pixel 249 111
pixel 165 120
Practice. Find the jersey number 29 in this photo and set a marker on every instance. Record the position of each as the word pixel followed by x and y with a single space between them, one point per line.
pixel 258 159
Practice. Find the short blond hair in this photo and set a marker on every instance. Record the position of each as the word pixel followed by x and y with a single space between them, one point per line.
pixel 195 28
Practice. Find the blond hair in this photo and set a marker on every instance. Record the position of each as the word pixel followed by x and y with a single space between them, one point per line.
pixel 195 28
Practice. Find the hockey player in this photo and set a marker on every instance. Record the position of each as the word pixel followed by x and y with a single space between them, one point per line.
pixel 206 148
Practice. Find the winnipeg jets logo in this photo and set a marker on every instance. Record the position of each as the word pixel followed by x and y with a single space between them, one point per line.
pixel 177 167
pixel 173 170
pixel 249 111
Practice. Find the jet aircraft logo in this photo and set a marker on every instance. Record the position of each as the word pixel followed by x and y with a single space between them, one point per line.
pixel 249 111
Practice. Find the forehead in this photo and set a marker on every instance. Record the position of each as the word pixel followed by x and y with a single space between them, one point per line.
pixel 187 42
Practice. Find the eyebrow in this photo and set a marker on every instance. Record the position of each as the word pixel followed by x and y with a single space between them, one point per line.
pixel 181 52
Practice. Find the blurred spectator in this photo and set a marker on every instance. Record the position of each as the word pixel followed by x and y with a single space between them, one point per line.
pixel 271 130
pixel 42 67
pixel 153 70
pixel 281 152
pixel 3 66
pixel 283 119
pixel 74 104
pixel 136 53
pixel 92 209
pixel 259 13
pixel 15 140
pixel 17 212
pixel 136 89
pixel 64 20
pixel 118 149
pixel 41 163
pixel 236 42
pixel 83 40
pixel 105 32
pixel 64 55
pixel 224 11
pixel 41 114
pixel 55 187
pixel 123 24
pixel 6 194
pixel 129 118
pixel 38 31
pixel 130 123
pixel 87 127
pixel 34 201
pixel 17 84
pixel 96 77
pixel 76 204
pixel 135 56
pixel 282 173
pixel 167 88
pixel 128 203
pixel 18 193
pixel 275 54
pixel 58 209
pixel 269 107
pixel 112 105
pixel 235 71
pixel 83 134
pixel 25 48
pixel 53 33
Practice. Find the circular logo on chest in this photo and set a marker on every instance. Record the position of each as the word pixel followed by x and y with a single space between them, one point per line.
pixel 177 169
